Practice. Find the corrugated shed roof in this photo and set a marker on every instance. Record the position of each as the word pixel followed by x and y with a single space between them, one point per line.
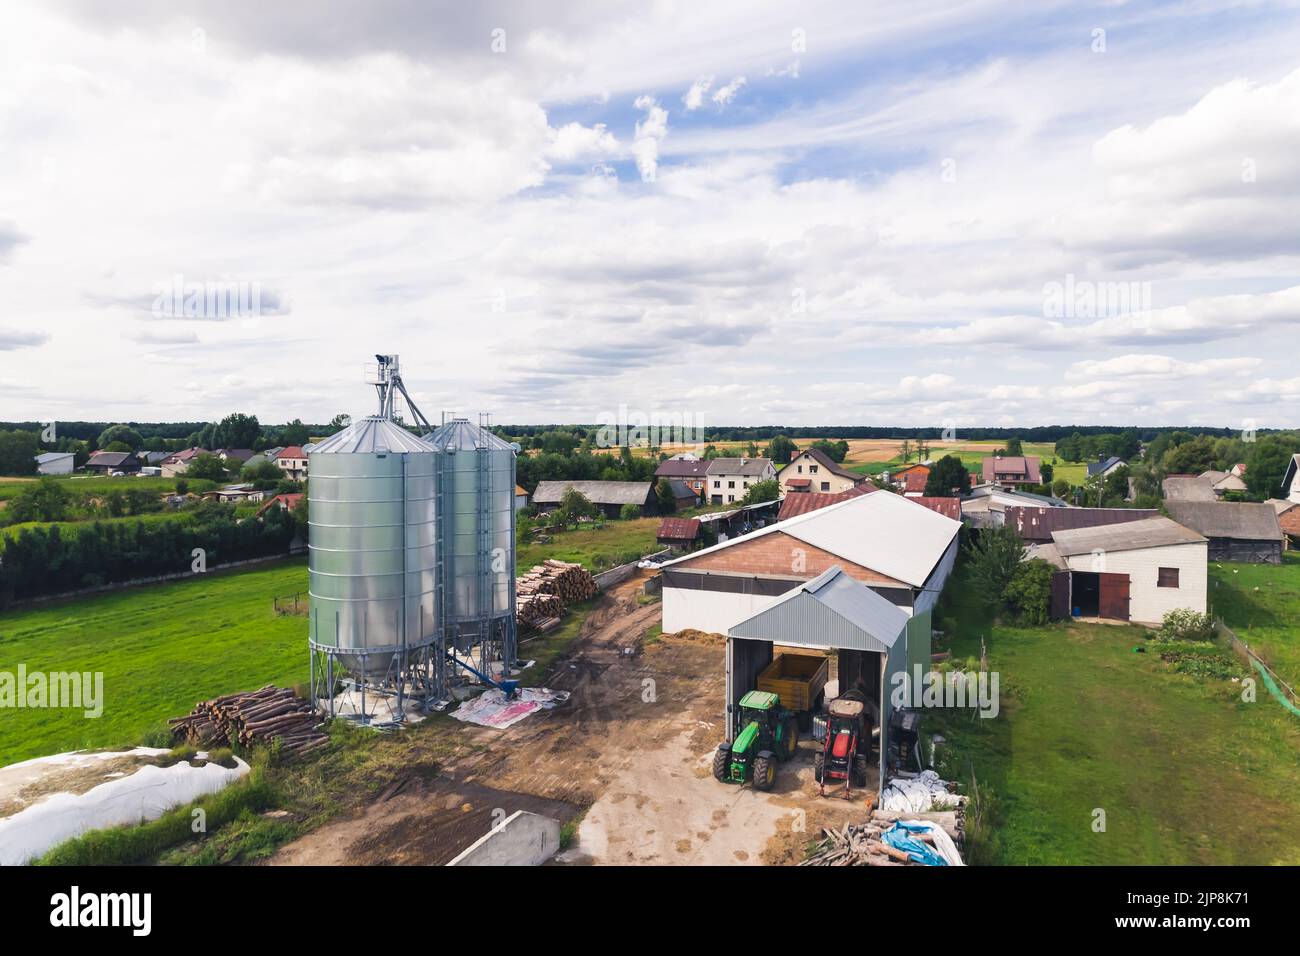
pixel 803 502
pixel 1187 488
pixel 53 456
pixel 1157 532
pixel 884 532
pixel 1250 521
pixel 1037 524
pixel 681 529
pixel 109 459
pixel 597 492
pixel 681 489
pixel 948 507
pixel 373 435
pixel 831 610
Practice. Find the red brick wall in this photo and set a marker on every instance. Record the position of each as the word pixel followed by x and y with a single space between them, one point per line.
pixel 775 554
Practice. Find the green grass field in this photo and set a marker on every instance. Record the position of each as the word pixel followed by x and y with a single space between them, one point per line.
pixel 72 527
pixel 1261 603
pixel 596 549
pixel 973 458
pixel 161 649
pixel 97 485
pixel 1186 772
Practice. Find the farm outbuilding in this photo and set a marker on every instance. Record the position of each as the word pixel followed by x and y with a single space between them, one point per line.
pixel 901 550
pixel 832 613
pixel 1238 530
pixel 1134 571
pixel 608 496
pixel 54 463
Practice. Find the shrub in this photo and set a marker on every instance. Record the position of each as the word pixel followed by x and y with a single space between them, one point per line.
pixel 1184 624
pixel 1029 592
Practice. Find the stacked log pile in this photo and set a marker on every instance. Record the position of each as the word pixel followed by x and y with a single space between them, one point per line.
pixel 256 717
pixel 542 594
pixel 861 845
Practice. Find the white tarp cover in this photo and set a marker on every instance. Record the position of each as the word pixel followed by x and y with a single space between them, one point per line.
pixel 915 794
pixel 138 797
pixel 491 709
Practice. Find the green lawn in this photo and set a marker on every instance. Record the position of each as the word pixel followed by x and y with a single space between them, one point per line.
pixel 67 528
pixel 1261 603
pixel 97 485
pixel 596 549
pixel 161 649
pixel 1186 772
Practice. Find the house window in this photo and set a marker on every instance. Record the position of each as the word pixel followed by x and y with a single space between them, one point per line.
pixel 731 498
pixel 800 469
pixel 826 486
pixel 812 469
pixel 1168 578
pixel 717 485
pixel 731 484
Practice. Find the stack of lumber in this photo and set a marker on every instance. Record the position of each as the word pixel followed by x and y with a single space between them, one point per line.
pixel 256 717
pixel 860 845
pixel 542 594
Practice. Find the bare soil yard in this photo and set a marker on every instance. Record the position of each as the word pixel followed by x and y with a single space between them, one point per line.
pixel 631 748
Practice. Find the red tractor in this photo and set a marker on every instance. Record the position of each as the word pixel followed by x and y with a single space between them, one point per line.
pixel 845 751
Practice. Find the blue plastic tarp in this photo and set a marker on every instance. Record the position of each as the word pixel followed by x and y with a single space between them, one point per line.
pixel 899 836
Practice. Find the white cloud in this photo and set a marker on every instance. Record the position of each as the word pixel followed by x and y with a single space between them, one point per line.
pixel 694 97
pixel 723 95
pixel 649 133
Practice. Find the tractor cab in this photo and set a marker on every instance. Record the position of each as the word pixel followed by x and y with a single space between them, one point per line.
pixel 765 733
pixel 847 746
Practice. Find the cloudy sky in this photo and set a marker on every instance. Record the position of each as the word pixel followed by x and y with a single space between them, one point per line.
pixel 908 213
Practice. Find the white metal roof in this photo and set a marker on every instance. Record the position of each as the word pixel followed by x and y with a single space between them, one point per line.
pixel 372 435
pixel 883 532
pixel 831 610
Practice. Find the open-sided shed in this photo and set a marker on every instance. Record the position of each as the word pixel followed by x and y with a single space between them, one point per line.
pixel 833 611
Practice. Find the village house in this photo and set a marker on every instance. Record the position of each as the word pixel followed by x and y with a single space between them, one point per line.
pixel 1012 471
pixel 986 505
pixel 729 478
pixel 293 462
pixel 912 479
pixel 521 498
pixel 685 468
pixel 1104 466
pixel 812 470
pixel 178 463
pixel 1291 480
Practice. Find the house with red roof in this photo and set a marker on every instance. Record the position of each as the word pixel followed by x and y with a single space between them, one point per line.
pixel 293 462
pixel 1012 471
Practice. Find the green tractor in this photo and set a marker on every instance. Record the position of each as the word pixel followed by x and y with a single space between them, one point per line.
pixel 768 733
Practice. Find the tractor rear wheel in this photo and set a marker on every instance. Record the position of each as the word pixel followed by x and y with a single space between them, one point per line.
pixel 790 739
pixel 819 765
pixel 721 757
pixel 764 771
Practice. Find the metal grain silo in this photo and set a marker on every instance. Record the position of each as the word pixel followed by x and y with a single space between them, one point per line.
pixel 373 550
pixel 477 498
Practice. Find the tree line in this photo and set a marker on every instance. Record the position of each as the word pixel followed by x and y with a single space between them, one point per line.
pixel 59 558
